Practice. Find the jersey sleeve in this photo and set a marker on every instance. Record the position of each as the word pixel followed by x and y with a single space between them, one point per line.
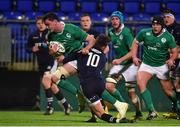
pixel 129 39
pixel 79 33
pixel 70 57
pixel 171 42
pixel 140 36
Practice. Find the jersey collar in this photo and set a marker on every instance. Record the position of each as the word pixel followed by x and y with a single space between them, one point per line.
pixel 163 30
pixel 122 26
pixel 61 22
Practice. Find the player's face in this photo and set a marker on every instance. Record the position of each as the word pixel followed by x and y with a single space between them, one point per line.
pixel 156 28
pixel 115 22
pixel 168 20
pixel 52 25
pixel 40 25
pixel 85 23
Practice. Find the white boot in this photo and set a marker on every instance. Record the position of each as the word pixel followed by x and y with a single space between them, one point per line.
pixel 121 108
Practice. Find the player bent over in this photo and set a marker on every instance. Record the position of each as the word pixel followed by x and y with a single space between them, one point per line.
pixel 90 68
pixel 68 38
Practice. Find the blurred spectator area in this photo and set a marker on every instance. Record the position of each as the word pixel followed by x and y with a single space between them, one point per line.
pixel 134 9
pixel 19 15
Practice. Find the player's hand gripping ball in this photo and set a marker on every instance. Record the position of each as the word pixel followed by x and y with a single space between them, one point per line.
pixel 56 48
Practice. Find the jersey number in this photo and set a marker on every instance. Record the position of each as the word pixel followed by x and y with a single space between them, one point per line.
pixel 93 60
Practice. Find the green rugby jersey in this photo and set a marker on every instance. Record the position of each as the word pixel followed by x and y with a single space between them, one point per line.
pixel 155 47
pixel 71 38
pixel 121 42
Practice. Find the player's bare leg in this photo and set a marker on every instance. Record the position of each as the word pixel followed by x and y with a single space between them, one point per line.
pixel 142 80
pixel 135 100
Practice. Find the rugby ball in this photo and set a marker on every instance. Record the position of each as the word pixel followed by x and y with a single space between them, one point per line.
pixel 60 47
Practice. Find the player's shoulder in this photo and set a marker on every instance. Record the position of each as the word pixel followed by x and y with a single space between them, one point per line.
pixel 126 28
pixel 70 25
pixel 167 34
pixel 127 31
pixel 177 27
pixel 110 30
pixel 145 30
pixel 34 33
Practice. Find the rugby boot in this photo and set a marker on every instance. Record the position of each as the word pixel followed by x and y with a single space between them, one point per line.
pixel 125 120
pixel 121 108
pixel 92 119
pixel 49 111
pixel 67 109
pixel 152 115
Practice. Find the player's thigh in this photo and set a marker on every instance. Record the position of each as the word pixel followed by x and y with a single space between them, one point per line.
pixel 93 86
pixel 115 69
pixel 130 73
pixel 167 87
pixel 71 67
pixel 142 79
pixel 161 72
pixel 144 74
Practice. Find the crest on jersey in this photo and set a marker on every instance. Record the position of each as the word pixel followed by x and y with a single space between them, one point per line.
pixel 121 37
pixel 68 35
pixel 163 40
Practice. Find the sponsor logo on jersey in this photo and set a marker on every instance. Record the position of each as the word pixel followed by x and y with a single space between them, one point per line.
pixel 152 48
pixel 148 33
pixel 158 45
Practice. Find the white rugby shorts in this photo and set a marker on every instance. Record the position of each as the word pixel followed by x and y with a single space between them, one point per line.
pixel 158 71
pixel 129 74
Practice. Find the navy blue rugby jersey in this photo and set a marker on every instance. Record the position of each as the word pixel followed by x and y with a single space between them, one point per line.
pixel 89 65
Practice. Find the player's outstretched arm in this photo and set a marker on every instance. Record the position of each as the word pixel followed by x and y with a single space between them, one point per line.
pixel 91 41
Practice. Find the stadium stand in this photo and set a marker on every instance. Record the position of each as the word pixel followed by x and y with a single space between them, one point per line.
pixel 137 13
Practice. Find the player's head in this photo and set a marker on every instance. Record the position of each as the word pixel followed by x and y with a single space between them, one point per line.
pixel 117 19
pixel 51 20
pixel 157 25
pixel 169 17
pixel 102 41
pixel 85 21
pixel 40 23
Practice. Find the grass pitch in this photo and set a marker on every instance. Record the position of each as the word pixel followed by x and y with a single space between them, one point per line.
pixel 36 118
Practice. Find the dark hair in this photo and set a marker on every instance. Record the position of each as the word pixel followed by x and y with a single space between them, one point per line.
pixel 102 40
pixel 167 10
pixel 158 20
pixel 51 16
pixel 85 14
pixel 38 18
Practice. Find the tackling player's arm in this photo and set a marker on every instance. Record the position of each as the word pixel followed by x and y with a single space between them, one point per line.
pixel 91 41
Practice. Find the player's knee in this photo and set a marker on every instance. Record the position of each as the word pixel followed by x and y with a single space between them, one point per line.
pixel 130 87
pixel 61 73
pixel 55 79
pixel 46 80
pixel 110 88
pixel 135 99
pixel 111 80
pixel 54 89
pixel 116 77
